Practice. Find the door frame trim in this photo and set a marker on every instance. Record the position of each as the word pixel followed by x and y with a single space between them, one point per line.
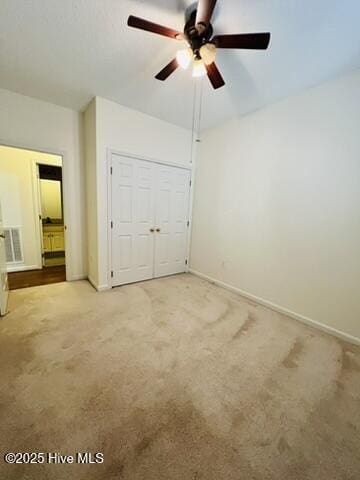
pixel 37 208
pixel 190 168
pixel 66 186
pixel 148 159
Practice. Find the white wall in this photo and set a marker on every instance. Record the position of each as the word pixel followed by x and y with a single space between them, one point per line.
pixel 277 204
pixel 39 125
pixel 91 190
pixel 19 201
pixel 128 131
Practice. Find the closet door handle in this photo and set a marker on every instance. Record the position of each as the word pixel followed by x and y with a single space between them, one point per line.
pixel 158 230
pixel 152 230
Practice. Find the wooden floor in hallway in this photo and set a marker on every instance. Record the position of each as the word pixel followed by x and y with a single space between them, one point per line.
pixel 33 278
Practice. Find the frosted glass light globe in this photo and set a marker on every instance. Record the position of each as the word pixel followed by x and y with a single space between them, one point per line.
pixel 199 69
pixel 208 53
pixel 184 57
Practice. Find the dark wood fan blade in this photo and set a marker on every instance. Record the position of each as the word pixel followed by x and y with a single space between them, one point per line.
pixel 205 10
pixel 168 70
pixel 256 41
pixel 214 75
pixel 142 24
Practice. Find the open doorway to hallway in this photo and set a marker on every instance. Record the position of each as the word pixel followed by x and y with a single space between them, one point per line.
pixel 31 195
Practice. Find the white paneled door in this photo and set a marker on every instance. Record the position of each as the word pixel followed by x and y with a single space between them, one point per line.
pixel 133 216
pixel 171 219
pixel 150 208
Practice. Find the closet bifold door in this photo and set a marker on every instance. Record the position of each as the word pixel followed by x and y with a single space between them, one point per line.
pixel 171 217
pixel 133 217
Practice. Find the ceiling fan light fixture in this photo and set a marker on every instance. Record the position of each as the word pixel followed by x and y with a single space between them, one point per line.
pixel 184 57
pixel 199 69
pixel 198 35
pixel 208 53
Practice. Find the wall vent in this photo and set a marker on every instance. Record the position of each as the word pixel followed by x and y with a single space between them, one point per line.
pixel 13 245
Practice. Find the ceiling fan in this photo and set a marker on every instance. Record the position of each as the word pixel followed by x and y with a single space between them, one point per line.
pixel 202 46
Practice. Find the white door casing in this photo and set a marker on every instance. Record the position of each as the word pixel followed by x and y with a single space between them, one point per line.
pixel 132 205
pixel 149 219
pixel 38 206
pixel 4 287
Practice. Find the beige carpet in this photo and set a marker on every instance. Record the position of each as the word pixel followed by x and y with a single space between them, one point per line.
pixel 174 379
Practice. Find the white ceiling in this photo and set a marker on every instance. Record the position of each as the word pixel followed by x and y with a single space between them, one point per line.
pixel 67 51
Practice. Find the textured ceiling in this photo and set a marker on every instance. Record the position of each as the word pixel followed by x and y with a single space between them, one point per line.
pixel 67 51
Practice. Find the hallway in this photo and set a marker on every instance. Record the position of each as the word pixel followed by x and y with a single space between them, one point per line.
pixel 33 278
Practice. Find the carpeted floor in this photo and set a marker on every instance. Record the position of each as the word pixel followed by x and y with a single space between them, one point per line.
pixel 174 379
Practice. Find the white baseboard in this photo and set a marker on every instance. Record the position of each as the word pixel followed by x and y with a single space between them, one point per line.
pixel 279 309
pixel 99 288
pixel 91 281
pixel 74 278
pixel 22 268
pixel 102 288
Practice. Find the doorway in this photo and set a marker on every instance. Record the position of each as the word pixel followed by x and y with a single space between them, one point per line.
pixel 51 215
pixel 31 192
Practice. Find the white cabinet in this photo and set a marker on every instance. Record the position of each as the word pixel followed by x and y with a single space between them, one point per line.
pixel 53 239
pixel 57 242
pixel 47 242
pixel 150 211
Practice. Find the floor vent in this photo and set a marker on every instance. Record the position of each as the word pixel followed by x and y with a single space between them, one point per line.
pixel 13 247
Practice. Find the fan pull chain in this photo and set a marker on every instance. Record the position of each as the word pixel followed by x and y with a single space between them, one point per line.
pixel 196 117
pixel 198 140
pixel 193 126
